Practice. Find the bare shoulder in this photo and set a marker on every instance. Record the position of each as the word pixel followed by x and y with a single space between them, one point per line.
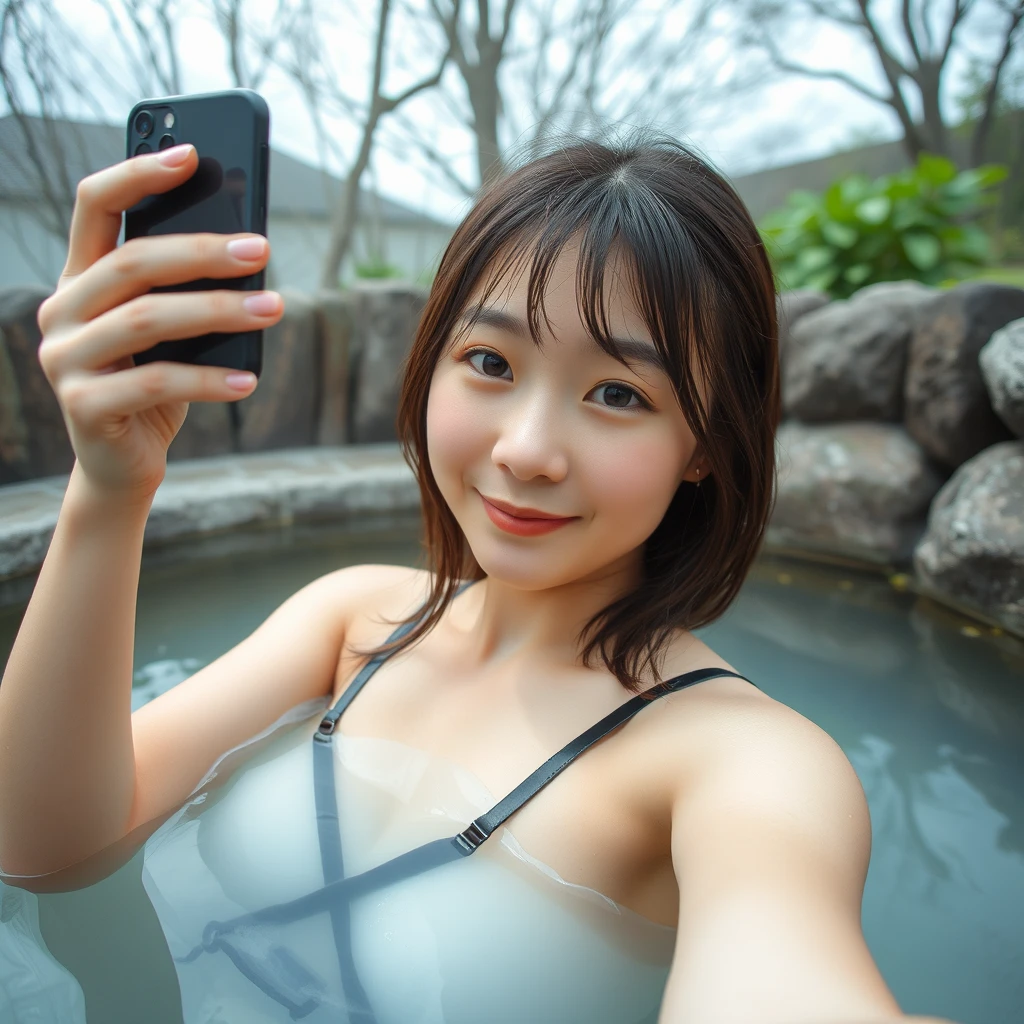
pixel 725 743
pixel 732 752
pixel 354 585
pixel 367 596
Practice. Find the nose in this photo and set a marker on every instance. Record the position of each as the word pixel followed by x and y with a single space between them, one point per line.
pixel 531 440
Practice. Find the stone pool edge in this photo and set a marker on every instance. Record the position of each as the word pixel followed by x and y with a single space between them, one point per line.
pixel 226 504
pixel 234 497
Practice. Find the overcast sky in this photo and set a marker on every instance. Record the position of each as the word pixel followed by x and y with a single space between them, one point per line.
pixel 781 122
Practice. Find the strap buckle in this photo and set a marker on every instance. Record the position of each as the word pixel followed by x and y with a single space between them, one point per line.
pixel 471 838
pixel 324 730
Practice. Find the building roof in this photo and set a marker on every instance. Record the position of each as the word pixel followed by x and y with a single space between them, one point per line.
pixel 69 150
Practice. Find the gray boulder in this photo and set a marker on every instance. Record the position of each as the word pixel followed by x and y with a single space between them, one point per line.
pixel 335 327
pixel 859 490
pixel 282 412
pixel 385 317
pixel 972 553
pixel 1002 367
pixel 790 306
pixel 846 361
pixel 33 436
pixel 947 406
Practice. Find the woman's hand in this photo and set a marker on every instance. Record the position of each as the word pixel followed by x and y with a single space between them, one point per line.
pixel 121 418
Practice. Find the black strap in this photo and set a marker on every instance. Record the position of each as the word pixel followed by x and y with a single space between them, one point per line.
pixel 329 834
pixel 330 720
pixel 333 862
pixel 480 828
pixel 443 851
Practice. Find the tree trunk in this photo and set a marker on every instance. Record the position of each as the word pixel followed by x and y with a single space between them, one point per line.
pixel 482 87
pixel 935 136
pixel 343 217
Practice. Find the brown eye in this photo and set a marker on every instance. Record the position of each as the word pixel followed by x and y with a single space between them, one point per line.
pixel 490 365
pixel 618 396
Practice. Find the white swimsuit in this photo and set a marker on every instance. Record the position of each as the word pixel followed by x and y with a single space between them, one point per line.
pixel 356 884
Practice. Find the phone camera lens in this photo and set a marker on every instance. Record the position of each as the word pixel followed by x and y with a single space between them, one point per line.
pixel 143 147
pixel 144 123
pixel 165 141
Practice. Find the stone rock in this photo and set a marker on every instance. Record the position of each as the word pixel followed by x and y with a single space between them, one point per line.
pixel 972 552
pixel 285 407
pixel 947 407
pixel 33 436
pixel 790 306
pixel 209 429
pixel 846 361
pixel 385 317
pixel 334 327
pixel 859 490
pixel 1002 367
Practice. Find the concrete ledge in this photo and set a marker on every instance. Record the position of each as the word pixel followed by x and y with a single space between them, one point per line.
pixel 236 504
pixel 235 501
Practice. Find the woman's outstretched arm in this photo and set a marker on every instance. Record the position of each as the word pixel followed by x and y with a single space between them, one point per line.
pixel 770 844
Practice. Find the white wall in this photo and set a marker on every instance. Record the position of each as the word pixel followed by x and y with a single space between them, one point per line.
pixel 31 256
pixel 298 245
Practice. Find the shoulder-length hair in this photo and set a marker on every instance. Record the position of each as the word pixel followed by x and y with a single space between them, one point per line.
pixel 704 286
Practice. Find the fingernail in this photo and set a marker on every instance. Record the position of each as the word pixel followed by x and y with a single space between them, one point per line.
pixel 240 381
pixel 247 248
pixel 262 303
pixel 175 156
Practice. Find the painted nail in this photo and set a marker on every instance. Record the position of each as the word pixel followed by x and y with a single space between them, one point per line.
pixel 262 303
pixel 175 156
pixel 247 248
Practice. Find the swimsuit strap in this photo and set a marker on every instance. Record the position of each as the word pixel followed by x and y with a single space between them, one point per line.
pixel 329 835
pixel 330 720
pixel 479 829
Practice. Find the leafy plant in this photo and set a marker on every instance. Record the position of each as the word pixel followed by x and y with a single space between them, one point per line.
pixel 377 269
pixel 915 224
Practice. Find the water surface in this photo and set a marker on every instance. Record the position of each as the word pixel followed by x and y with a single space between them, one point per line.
pixel 928 706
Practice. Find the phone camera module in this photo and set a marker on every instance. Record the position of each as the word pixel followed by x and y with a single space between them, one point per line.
pixel 165 141
pixel 143 147
pixel 144 123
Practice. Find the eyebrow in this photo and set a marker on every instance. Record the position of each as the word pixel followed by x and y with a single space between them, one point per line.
pixel 635 351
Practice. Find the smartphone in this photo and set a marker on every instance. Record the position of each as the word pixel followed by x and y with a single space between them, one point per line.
pixel 228 193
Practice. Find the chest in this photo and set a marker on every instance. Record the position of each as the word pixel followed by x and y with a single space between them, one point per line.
pixel 602 823
pixel 430 945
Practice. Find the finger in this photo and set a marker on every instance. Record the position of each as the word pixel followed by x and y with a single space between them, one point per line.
pixel 141 323
pixel 102 197
pixel 93 399
pixel 143 263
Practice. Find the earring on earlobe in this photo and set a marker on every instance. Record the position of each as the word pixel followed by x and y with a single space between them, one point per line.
pixel 698 478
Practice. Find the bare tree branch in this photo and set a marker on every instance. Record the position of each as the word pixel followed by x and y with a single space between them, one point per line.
pixel 784 64
pixel 922 71
pixel 908 29
pixel 305 63
pixel 960 9
pixel 984 125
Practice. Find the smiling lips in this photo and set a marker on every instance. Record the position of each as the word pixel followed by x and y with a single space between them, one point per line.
pixel 525 522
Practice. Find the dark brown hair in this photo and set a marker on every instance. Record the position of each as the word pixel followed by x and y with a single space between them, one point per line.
pixel 703 284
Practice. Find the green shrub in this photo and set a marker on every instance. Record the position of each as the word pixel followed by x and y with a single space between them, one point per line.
pixel 377 269
pixel 916 224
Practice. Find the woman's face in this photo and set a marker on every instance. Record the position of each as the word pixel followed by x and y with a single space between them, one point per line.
pixel 565 429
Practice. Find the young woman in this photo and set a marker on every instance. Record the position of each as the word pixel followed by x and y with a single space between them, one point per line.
pixel 589 406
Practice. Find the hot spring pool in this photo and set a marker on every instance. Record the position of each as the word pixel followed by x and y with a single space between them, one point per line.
pixel 928 706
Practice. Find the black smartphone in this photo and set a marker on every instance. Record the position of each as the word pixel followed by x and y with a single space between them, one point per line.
pixel 228 193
